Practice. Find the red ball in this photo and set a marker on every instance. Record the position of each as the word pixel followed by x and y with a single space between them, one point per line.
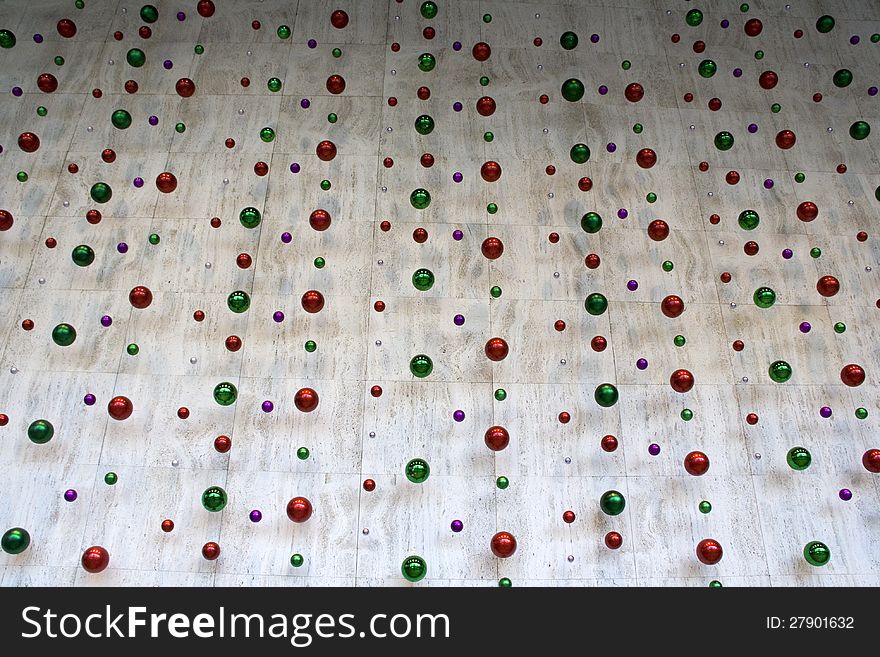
pixel 108 155
pixel 93 217
pixel 199 315
pixel 97 93
pixel 807 211
pixel 752 418
pixel 369 485
pixel 709 551
pixel 598 344
pixel 326 150
pixel 828 286
pixel 568 517
pixel 166 182
pixel 167 525
pixel 230 142
pixel 486 106
pixel 688 97
pixel 492 248
pixel 73 167
pixel 51 243
pixel 335 84
pixel 497 438
pixel 256 25
pixel 28 142
pixel 646 158
pixel 117 35
pixel 183 412
pixel 205 8
pixel 95 559
pixel 658 230
pixel 732 177
pixel 339 19
pixel 503 544
pixel 6 220
pixel 66 28
pixel 392 101
pixel 185 87
pixel 862 236
pixel 544 99
pixel 592 261
pixel 312 301
pixel 420 235
pixel 376 391
pixel 798 34
pixel 714 104
pixel 120 408
pixel 750 248
pixel 871 460
pixel 243 260
pixel 675 38
pixel 426 160
pixel 753 27
pixel 738 345
pixel 27 324
pixel 634 92
pixel 299 509
pixel 550 170
pixel 768 80
pixel 703 166
pixel 817 97
pixel 145 32
pixel 481 51
pixel 385 226
pixel 496 349
pixel 233 343
pixel 215 222
pixel 222 444
pixel 681 380
pixel 140 297
pixel 559 325
pixel 538 42
pixel 379 306
pixel 245 82
pixel 388 162
pixel 609 443
pixel 696 463
pixel 4 419
pixel 852 375
pixel 423 93
pixel 672 306
pixel 565 417
pixel 261 168
pixel 211 550
pixel 553 238
pixel 585 184
pixel 841 168
pixel 47 83
pixel 306 400
pixel 490 171
pixel 320 219
pixel 785 139
pixel 429 32
pixel 699 46
pixel 613 540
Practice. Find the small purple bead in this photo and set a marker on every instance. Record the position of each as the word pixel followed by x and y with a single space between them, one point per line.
pixel 278 316
pixel 138 182
pixel 181 16
pixel 294 167
pixel 305 103
pixel 603 90
pixel 456 526
pixel 805 327
pixel 1 148
pixel 872 91
pixel 459 320
pixel 737 72
pixel 594 38
pixel 622 213
pixel 154 120
pixel 168 64
pixel 632 286
pixel 312 43
pixel 70 495
pixel 611 147
pixel 854 39
pixel 457 177
pixel 122 247
pixel 753 128
pixel 642 364
pixel 268 406
pixel 286 237
pixel 106 321
pixel 17 92
pixel 768 183
pixel 457 235
pixel 458 416
pixel 38 38
pixel 89 399
pixel 456 46
pixel 457 106
pixel 825 411
pixel 653 449
pixel 725 24
pixel 787 253
pixel 256 515
pixel 845 494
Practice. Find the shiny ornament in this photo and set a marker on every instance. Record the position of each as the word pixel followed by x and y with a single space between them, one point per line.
pixel 859 130
pixel 185 87
pixel 140 297
pixel 414 568
pixel 798 458
pixel 424 124
pixel 579 153
pixel 612 503
pixel 871 460
pixel 596 303
pixel 492 248
pixel 417 471
pixel 490 171
pixel 486 106
pixel 121 119
pixel 421 366
pixel 764 297
pixel 828 286
pixel 481 51
pixel 613 540
pixel 15 540
pixel 299 509
pixel 211 551
pixel 681 380
pixel 785 139
pixel 83 255
pixel 63 335
pixel 503 545
pixel 496 349
pixel 709 551
pixel 95 559
pixel 166 182
pixel 120 408
pixel 780 371
pixel 748 220
pixel 606 395
pixel 723 141
pixel 591 222
pixel 817 553
pixel 214 499
pixel 423 279
pixel 672 306
pixel 28 142
pixel 807 211
pixel 852 375
pixel 646 158
pixel 325 150
pixel 250 217
pixel 572 90
pixel 312 301
pixel 634 92
pixel 40 432
pixel 497 438
pixel 658 230
pixel 335 84
pixel 420 199
pixel 306 400
pixel 696 463
pixel 225 393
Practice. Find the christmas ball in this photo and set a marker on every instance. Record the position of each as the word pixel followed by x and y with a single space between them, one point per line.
pixel 852 375
pixel 225 393
pixel 185 87
pixel 753 27
pixel 28 142
pixel 250 217
pixel 83 255
pixel 696 463
pixel 424 124
pixel 95 559
pixel 591 222
pixel 871 460
pixel 136 57
pixel 100 192
pixel 211 550
pixel 572 90
pixel 613 540
pixel 768 80
pixel 824 24
pixel 214 499
pixel 807 211
pixel 40 432
pixel 568 517
pixel 319 219
pixel 828 286
pixel 609 443
pixel 724 141
pixel 596 303
pixel 606 395
pixel 238 301
pixel 420 199
pixel 166 182
pixel 612 503
pixel 417 471
pixel 306 400
pixel 764 297
pixel 492 248
pixel 421 366
pixel 414 568
pixel 859 130
pixel 785 139
pixel 140 297
pixel 15 540
pixel 658 230
pixel 339 19
pixel 579 153
pixel 798 458
pixel 780 371
pixel 299 509
pixel 748 220
pixel 6 220
pixel 312 301
pixel 205 8
pixel 634 92
pixel 681 380
pixel 497 438
pixel 496 349
pixel 325 150
pixel 64 335
pixel 481 51
pixel 490 171
pixel 423 279
pixel 222 444
pixel 672 306
pixel 817 553
pixel 120 408
pixel 646 158
pixel 47 83
pixel 709 551
pixel 503 545
pixel 486 106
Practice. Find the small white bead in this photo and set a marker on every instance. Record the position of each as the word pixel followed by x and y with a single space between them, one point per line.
pixel 562 361
pixel 41 280
pixel 380 262
pixel 378 343
pixel 240 111
pixel 692 126
pixel 175 463
pixel 111 62
pixel 720 242
pixel 745 379
pixel 66 204
pixel 372 434
pixel 757 456
pixel 250 52
pixel 365 530
pixel 193 360
pixel 207 265
pixel 13 370
pixel 733 304
pixel 550 195
pixel 393 71
pixel 567 459
pixel 540 67
pixel 570 558
pixel 89 129
pixel 710 194
pixel 556 274
pixel 868 268
pixel 383 188
pixel 226 181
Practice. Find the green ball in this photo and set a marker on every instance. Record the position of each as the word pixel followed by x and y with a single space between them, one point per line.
pixel 798 458
pixel 332 117
pixel 606 395
pixel 267 135
pixel 414 568
pixel 250 217
pixel 759 54
pixel 568 40
pixel 336 52
pixel 59 60
pixel 100 192
pixel 417 471
pixel 714 584
pixel 687 414
pixel 502 482
pixel 15 540
pixel 612 503
pixel 428 10
pixel 764 297
pixel 817 553
pixel 724 141
pixel 825 24
pixel 421 366
pixel 214 499
pixel 7 39
pixel 136 57
pixel 149 14
pixel 199 49
pixel 484 81
pixel 572 90
pixel 63 335
pixel 694 17
pixel 799 177
pixel 40 432
pixel 487 18
pixel 153 239
pixel 749 219
pixel 83 255
pixel 667 265
pixel 310 346
pixel 320 262
pixel 707 68
pixel 875 38
pixel 637 128
pixel 500 394
pixel 596 303
pixel 859 130
pixel 420 198
pixel 839 327
pixel 132 349
pixel 424 125
pixel 180 128
pixel 296 560
pixel 238 301
pixel 42 111
pixel 274 84
pixel 492 208
pixel 651 197
pixel 776 108
pixel 423 279
pixel 302 453
pixel 815 252
pixel 705 506
pixel 505 583
pixel 495 292
pixel 579 153
pixel 22 176
pixel 325 185
pixel 488 137
pixel 842 78
pixel 678 340
pixel 862 413
pixel 283 32
pixel 744 7
pixel 111 478
pixel 225 393
pixel 427 62
pixel 779 371
pixel 591 222
pixel 626 64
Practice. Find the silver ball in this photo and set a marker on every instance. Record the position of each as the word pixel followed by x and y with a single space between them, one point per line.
pixel 562 361
pixel 806 64
pixel 226 181
pixel 389 129
pixel 556 274
pixel 41 280
pixel 13 370
pixel 570 558
pixel 378 343
pixel 124 10
pixel 745 379
pixel 537 15
pixel 241 111
pixel 365 531
pixel 850 202
pixel 193 360
pixel 383 188
pixel 66 204
pixel 393 71
pixel 829 129
pixel 733 304
pixel 546 130
pixel 550 195
pixel 567 459
pixel 868 268
pixel 757 456
pixel 669 12
pixel 720 242
pixel 397 18
pixel 250 52
pixel 787 7
pixel 540 67
pixel 380 262
pixel 372 434
pixel 208 265
pixel 111 62
pixel 681 65
pixel 175 463
pixel 89 128
pixel 710 194
pixel 692 126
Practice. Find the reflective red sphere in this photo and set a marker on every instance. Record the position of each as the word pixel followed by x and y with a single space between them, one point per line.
pixel 299 509
pixel 319 219
pixel 222 444
pixel 306 400
pixel 492 248
pixel 211 550
pixel 481 51
pixel 66 28
pixel 205 8
pixel 490 171
pixel 785 139
pixel 496 349
pixel 681 380
pixel 497 438
pixel 335 84
pixel 658 230
pixel 768 80
pixel 613 540
pixel 120 408
pixel 696 463
pixel 646 158
pixel 28 142
pixel 140 297
pixel 871 460
pixel 852 375
pixel 185 87
pixel 634 92
pixel 312 301
pixel 828 286
pixel 166 182
pixel 95 559
pixel 486 106
pixel 568 517
pixel 807 211
pixel 598 344
pixel 326 150
pixel 233 343
pixel 339 19
pixel 609 443
pixel 6 220
pixel 503 544
pixel 753 27
pixel 672 306
pixel 709 551
pixel 47 83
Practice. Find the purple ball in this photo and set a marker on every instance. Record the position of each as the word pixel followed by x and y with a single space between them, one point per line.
pixel 594 38
pixel 805 327
pixel 456 46
pixel 122 247
pixel 825 411
pixel 622 213
pixel 845 494
pixel 106 321
pixel 286 237
pixel 278 316
pixel 89 399
pixel 456 526
pixel 457 177
pixel 138 182
pixel 787 254
pixel 653 449
pixel 632 285
pixel 256 515
pixel 611 147
pixel 457 106
pixel 737 72
pixel 1 148
pixel 458 416
pixel 725 24
pixel 457 235
pixel 603 90
pixel 753 128
pixel 642 364
pixel 268 406
pixel 294 167
pixel 872 91
pixel 305 103
pixel 17 92
pixel 459 320
pixel 154 120
pixel 181 16
pixel 854 39
pixel 312 43
pixel 768 183
pixel 168 64
pixel 38 38
pixel 70 495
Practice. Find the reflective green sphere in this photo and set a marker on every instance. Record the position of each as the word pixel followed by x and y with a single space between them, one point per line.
pixel 420 198
pixel 250 217
pixel 638 128
pixel 764 297
pixel 799 177
pixel 705 506
pixel 421 366
pixel 612 503
pixel 678 341
pixel 707 68
pixel 63 335
pixel 423 279
pixel 83 255
pixel 859 130
pixel 749 219
pixel 502 482
pixel 606 395
pixel 42 111
pixel 302 453
pixel 7 39
pixel 817 553
pixel 100 192
pixel 495 292
pixel 776 108
pixel 336 52
pixel 274 85
pixel 724 141
pixel 842 78
pixel 568 40
pixel 180 128
pixel 310 346
pixel 667 265
pixel 572 90
pixel 694 17
pixel 825 24
pixel 428 10
pixel 862 413
pixel 296 560
pixel 500 394
pixel 40 432
pixel 214 499
pixel 111 478
pixel 591 222
pixel 199 49
pixel 136 57
pixel 414 568
pixel 427 62
pixel 798 458
pixel 267 135
pixel 596 303
pixel 815 252
pixel 149 14
pixel 15 540
pixel 579 153
pixel 839 327
pixel 153 239
pixel 225 393
pixel 505 583
pixel 779 371
pixel 283 32
pixel 238 301
pixel 120 119
pixel 22 176
pixel 417 471
pixel 424 125
pixel 687 414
